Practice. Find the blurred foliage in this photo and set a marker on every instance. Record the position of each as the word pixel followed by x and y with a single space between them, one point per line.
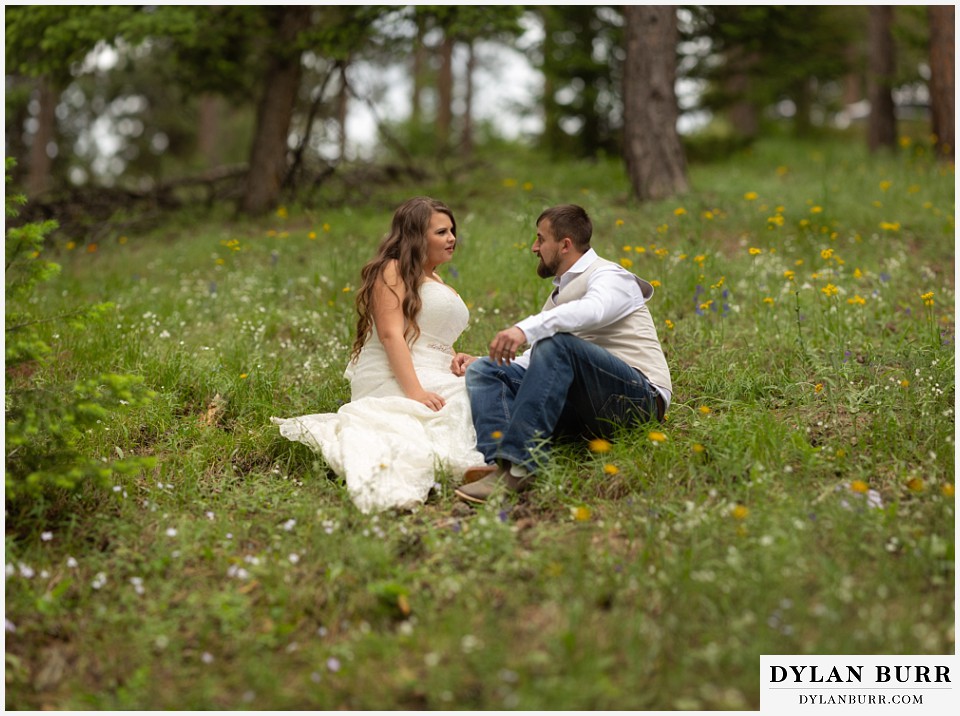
pixel 44 421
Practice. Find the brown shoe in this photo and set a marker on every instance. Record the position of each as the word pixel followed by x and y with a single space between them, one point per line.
pixel 477 472
pixel 480 491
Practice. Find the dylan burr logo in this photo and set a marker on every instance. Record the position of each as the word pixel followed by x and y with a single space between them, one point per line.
pixel 825 684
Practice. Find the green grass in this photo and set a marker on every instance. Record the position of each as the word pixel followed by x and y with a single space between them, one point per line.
pixel 237 575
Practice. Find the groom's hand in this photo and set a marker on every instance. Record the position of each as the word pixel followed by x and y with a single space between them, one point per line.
pixel 503 348
pixel 460 363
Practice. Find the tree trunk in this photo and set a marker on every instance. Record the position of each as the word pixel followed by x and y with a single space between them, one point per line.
pixel 882 124
pixel 343 102
pixel 208 130
pixel 39 160
pixel 942 69
pixel 744 113
pixel 466 141
pixel 419 62
pixel 268 155
pixel 445 92
pixel 652 149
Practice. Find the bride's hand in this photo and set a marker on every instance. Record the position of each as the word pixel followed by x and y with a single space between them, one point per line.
pixel 460 362
pixel 431 400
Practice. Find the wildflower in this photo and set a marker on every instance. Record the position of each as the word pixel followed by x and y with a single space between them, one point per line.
pixel 171 532
pixel 890 226
pixel 92 249
pixel 829 290
pixel 698 448
pixel 857 273
pixel 346 289
pixel 818 388
pixel 527 186
pixel 640 249
pixel 947 490
pixel 679 211
pixel 46 536
pixel 509 183
pixel 927 298
pixel 669 324
pixel 656 437
pixel 755 251
pixel 904 383
pixel 220 262
pixel 619 222
pixel 662 253
pixel 857 300
pixel 243 376
pixel 705 306
pixel 739 512
pixel 326 227
pixel 768 300
pixel 610 469
pixel 708 215
pixel 289 525
pixel 915 484
pixel 599 445
pixel 705 410
pixel 71 245
pixel 776 220
pixel 719 283
pixel 580 514
pixel 72 563
pixel 333 664
pixel 904 142
pixel 885 184
pixel 859 486
pixel 804 223
pixel 655 283
pixel 312 235
pixel 281 212
pixel 627 249
pixel 700 258
pixel 496 435
pixel 626 263
pixel 816 209
pixel 122 240
pixel 750 196
pixel 826 254
pixel 789 275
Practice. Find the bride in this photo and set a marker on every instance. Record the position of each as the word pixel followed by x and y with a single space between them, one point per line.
pixel 408 414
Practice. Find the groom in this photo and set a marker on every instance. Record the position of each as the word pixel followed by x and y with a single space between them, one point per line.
pixel 595 362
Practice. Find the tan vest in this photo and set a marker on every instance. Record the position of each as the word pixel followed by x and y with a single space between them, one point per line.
pixel 633 339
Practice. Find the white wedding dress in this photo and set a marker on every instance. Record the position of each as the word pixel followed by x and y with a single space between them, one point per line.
pixel 386 446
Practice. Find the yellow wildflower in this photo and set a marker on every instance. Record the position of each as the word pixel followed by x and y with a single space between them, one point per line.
pixel 326 227
pixel 312 235
pixel 755 251
pixel 890 225
pixel 915 484
pixel 927 298
pixel 739 512
pixel 816 209
pixel 700 258
pixel 679 211
pixel 705 306
pixel 829 290
pixel 857 300
pixel 768 300
pixel 282 212
pixel 610 469
pixel 580 514
pixel 750 196
pixel 71 245
pixel 656 437
pixel 859 486
pixel 509 183
pixel 947 490
pixel 705 410
pixel 527 186
pixel 496 435
pixel 904 383
pixel 599 445
pixel 655 283
pixel 626 249
pixel 857 273
pixel 243 376
pixel 669 324
pixel 818 388
pixel 698 448
pixel 620 222
pixel 789 275
pixel 626 263
pixel 826 254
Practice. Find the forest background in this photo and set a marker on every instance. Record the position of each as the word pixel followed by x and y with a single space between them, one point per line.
pixel 187 215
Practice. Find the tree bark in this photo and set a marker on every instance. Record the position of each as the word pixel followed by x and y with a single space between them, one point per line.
pixel 654 155
pixel 419 62
pixel 268 155
pixel 882 124
pixel 39 160
pixel 466 141
pixel 942 70
pixel 343 104
pixel 208 130
pixel 744 112
pixel 445 92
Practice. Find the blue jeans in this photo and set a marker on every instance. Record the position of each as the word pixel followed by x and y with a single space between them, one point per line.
pixel 571 388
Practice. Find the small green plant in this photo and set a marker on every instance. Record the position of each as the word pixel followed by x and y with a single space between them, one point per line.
pixel 45 420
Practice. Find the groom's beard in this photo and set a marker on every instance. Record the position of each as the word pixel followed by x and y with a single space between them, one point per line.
pixel 548 270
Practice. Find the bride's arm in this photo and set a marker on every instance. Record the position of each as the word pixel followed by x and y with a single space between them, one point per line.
pixel 387 313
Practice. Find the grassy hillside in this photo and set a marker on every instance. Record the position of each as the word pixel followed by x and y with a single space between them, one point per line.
pixel 799 498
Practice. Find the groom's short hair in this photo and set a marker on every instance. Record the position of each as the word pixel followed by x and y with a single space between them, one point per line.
pixel 570 220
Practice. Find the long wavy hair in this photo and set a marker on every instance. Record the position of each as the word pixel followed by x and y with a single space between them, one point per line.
pixel 407 244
